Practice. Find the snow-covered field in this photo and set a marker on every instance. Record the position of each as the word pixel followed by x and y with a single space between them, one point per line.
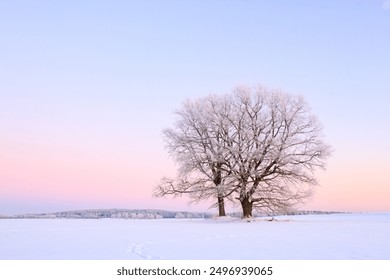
pixel 336 236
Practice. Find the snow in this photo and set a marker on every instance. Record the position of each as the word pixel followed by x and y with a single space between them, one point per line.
pixel 337 236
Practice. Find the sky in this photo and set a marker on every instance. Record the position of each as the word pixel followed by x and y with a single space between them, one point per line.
pixel 86 88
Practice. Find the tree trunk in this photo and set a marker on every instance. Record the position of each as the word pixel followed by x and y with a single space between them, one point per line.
pixel 221 206
pixel 246 207
pixel 217 181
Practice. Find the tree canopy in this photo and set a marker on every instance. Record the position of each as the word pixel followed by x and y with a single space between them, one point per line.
pixel 255 146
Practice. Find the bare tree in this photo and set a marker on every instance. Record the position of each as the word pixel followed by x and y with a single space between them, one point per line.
pixel 258 146
pixel 194 144
pixel 275 144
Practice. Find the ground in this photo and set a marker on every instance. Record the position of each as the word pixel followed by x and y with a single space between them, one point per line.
pixel 318 237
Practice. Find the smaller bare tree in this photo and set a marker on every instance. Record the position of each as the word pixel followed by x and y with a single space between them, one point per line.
pixel 194 144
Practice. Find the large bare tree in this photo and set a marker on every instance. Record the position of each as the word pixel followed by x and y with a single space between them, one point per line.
pixel 276 144
pixel 258 146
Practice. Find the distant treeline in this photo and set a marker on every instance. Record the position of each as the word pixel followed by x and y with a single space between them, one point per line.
pixel 146 214
pixel 114 213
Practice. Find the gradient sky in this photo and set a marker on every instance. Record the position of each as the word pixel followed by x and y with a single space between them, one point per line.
pixel 86 88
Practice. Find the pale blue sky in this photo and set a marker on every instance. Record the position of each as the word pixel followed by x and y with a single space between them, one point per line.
pixel 105 77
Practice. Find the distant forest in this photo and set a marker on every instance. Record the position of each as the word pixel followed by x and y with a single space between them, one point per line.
pixel 145 214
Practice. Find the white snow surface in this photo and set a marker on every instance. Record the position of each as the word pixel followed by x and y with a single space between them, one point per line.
pixel 312 237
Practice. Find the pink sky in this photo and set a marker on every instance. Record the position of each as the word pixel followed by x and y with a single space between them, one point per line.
pixel 53 178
